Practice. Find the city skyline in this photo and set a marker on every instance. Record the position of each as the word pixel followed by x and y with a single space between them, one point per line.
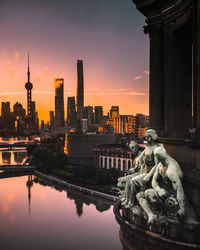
pixel 111 44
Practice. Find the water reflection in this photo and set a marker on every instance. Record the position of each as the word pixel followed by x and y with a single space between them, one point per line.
pixel 12 157
pixel 53 222
pixel 6 158
pixel 19 157
pixel 29 185
pixel 80 199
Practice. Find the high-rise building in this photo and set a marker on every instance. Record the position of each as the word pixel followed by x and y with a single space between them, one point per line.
pixel 80 90
pixel 59 103
pixel 19 116
pixel 28 87
pixel 51 118
pixel 71 112
pixel 114 112
pixel 88 114
pixel 7 118
pixel 5 108
pixel 98 114
pixel 84 125
pixel 120 124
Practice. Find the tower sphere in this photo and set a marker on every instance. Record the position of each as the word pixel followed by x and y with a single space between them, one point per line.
pixel 28 85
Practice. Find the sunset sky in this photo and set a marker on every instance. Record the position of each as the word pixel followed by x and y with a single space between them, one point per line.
pixel 106 34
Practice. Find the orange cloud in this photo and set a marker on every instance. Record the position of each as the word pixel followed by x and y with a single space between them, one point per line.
pixel 142 75
pixel 137 78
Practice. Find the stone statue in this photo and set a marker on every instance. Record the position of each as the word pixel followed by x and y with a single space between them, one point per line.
pixel 123 182
pixel 147 168
pixel 154 192
pixel 165 201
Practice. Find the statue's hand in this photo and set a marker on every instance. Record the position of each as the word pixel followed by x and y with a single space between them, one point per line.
pixel 162 193
pixel 181 212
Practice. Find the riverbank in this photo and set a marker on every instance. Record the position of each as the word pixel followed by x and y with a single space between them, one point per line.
pixel 65 184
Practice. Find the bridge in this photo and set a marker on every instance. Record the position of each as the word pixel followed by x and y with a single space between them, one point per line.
pixel 16 168
pixel 16 145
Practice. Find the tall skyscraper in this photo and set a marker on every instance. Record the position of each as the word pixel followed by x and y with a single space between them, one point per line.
pixel 59 103
pixel 80 90
pixel 98 114
pixel 28 87
pixel 71 112
pixel 51 118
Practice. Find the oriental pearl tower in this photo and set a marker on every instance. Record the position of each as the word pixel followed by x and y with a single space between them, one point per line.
pixel 28 87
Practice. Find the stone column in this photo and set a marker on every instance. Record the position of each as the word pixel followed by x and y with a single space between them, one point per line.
pixel 178 81
pixel 156 84
pixel 196 64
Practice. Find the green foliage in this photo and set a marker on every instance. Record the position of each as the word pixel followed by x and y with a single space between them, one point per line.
pixel 103 177
pixel 31 148
pixel 62 173
pixel 48 155
pixel 87 172
pixel 116 173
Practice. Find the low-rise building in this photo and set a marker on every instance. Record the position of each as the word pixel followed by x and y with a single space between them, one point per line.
pixel 116 156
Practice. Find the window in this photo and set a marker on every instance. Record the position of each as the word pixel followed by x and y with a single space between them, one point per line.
pixel 105 162
pixel 124 165
pixel 101 160
pixel 114 163
pixel 110 163
pixel 119 164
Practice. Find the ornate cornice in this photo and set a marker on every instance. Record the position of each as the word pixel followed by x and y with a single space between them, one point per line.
pixel 159 14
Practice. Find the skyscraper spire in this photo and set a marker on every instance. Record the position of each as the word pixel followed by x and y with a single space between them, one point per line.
pixel 28 86
pixel 28 73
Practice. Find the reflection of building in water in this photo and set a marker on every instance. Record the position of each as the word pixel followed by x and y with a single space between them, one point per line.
pixel 80 199
pixel 19 157
pixel 6 158
pixel 29 184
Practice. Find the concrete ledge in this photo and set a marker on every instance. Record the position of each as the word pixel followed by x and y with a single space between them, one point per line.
pixel 65 184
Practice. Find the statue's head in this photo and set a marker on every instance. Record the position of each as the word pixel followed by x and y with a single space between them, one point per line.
pixel 151 135
pixel 134 147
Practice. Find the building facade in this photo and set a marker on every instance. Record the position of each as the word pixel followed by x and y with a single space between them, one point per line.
pixel 71 112
pixel 116 156
pixel 80 90
pixel 98 114
pixel 59 103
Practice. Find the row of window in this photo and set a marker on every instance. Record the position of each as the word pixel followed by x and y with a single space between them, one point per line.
pixel 107 163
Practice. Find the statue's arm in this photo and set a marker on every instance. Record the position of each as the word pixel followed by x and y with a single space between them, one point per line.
pixel 151 173
pixel 177 186
pixel 135 166
pixel 154 182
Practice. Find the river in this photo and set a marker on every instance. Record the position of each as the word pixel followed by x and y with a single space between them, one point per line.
pixel 34 215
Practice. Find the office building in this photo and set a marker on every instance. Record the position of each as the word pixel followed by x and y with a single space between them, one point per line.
pixel 98 114
pixel 59 103
pixel 88 114
pixel 71 112
pixel 51 118
pixel 80 90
